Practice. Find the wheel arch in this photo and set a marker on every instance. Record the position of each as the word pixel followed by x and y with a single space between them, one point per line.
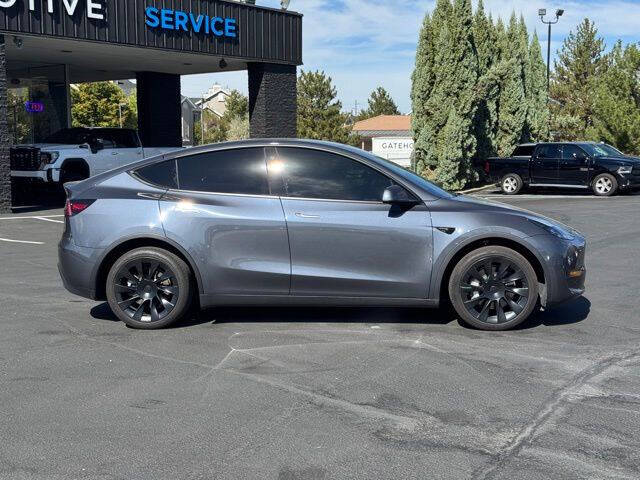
pixel 115 251
pixel 76 162
pixel 441 281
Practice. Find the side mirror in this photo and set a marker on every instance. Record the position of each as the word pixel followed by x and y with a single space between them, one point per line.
pixel 96 145
pixel 396 195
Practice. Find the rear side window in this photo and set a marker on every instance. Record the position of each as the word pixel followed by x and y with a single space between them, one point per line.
pixel 549 151
pixel 570 152
pixel 524 150
pixel 239 171
pixel 124 138
pixel 309 173
pixel 162 174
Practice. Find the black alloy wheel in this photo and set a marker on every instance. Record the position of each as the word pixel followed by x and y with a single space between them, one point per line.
pixel 149 288
pixel 494 288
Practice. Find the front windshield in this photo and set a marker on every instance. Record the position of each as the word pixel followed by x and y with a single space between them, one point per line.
pixel 405 173
pixel 601 150
pixel 69 136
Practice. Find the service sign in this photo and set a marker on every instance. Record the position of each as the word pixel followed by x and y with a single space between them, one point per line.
pixel 167 19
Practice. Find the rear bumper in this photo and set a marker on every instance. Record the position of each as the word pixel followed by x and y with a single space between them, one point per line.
pixel 76 266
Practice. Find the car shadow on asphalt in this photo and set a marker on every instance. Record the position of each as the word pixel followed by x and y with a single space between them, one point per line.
pixel 565 314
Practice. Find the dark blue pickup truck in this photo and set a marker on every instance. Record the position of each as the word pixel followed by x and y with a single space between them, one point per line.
pixel 581 165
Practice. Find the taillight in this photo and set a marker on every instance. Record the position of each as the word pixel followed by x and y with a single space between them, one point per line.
pixel 74 207
pixel 486 167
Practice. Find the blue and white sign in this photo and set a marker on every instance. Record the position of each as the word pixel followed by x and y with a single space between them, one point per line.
pixel 167 19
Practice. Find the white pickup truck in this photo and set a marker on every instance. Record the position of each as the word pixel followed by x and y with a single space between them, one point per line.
pixel 77 153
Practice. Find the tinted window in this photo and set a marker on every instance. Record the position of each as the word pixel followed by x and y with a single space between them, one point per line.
pixel 602 150
pixel 124 138
pixel 104 138
pixel 570 152
pixel 311 173
pixel 241 171
pixel 162 174
pixel 549 151
pixel 69 136
pixel 524 150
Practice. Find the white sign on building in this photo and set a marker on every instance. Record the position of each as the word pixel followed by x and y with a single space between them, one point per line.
pixel 395 149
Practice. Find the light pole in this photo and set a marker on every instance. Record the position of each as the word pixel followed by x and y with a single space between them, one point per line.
pixel 120 105
pixel 543 12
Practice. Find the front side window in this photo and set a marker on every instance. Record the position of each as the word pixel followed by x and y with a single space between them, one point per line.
pixel 239 171
pixel 309 173
pixel 124 138
pixel 572 152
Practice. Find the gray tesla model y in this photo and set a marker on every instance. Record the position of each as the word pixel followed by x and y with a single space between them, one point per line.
pixel 294 222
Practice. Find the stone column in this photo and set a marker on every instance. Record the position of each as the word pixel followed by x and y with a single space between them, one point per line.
pixel 272 100
pixel 159 109
pixel 5 137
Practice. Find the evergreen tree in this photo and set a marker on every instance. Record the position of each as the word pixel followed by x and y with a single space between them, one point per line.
pixel 319 111
pixel 380 103
pixel 527 78
pixel 96 105
pixel 512 108
pixel 577 69
pixel 486 42
pixel 237 105
pixel 538 110
pixel 617 101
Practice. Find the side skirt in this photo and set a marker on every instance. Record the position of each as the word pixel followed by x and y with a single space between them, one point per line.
pixel 292 300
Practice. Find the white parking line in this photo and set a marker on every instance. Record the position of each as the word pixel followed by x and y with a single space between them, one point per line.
pixel 47 219
pixel 20 241
pixel 39 217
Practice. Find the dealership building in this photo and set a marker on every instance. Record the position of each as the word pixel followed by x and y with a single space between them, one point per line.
pixel 388 136
pixel 47 45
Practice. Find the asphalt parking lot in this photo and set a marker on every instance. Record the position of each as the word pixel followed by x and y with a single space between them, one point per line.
pixel 323 393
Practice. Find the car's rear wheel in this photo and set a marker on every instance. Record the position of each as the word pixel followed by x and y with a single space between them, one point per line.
pixel 149 288
pixel 511 184
pixel 605 185
pixel 493 288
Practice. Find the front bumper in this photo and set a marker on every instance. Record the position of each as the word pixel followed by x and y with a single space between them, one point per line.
pixel 48 175
pixel 564 267
pixel 629 182
pixel 77 266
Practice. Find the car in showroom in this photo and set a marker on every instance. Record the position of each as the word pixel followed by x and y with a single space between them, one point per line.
pixel 571 165
pixel 301 222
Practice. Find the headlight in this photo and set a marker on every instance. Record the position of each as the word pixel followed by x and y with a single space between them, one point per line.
pixel 49 157
pixel 555 230
pixel 625 170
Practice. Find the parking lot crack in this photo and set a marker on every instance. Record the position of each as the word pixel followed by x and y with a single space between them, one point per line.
pixel 549 409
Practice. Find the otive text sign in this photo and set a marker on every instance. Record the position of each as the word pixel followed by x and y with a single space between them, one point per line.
pixel 93 9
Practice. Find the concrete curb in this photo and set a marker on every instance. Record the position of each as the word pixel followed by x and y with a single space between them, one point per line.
pixel 477 189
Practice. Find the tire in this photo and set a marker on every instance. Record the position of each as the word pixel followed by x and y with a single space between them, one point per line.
pixel 605 185
pixel 511 184
pixel 74 171
pixel 149 288
pixel 476 296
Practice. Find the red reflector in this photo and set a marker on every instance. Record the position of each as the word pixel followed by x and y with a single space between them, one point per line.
pixel 486 167
pixel 74 207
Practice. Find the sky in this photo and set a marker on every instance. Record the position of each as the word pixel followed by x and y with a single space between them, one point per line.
pixel 363 44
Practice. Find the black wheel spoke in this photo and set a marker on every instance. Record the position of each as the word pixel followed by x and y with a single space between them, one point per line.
pixel 124 304
pixel 125 288
pixel 488 268
pixel 516 307
pixel 140 311
pixel 164 277
pixel 514 277
pixel 155 316
pixel 500 312
pixel 153 268
pixel 476 275
pixel 502 271
pixel 522 291
pixel 484 313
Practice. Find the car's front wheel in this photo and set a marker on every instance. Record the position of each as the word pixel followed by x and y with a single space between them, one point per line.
pixel 493 288
pixel 605 185
pixel 511 184
pixel 149 288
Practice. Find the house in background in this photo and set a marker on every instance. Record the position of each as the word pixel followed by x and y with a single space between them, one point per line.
pixel 215 100
pixel 388 136
pixel 190 115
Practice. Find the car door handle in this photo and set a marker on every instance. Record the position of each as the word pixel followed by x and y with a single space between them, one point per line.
pixel 304 215
pixel 114 153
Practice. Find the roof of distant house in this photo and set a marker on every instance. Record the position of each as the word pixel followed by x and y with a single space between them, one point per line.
pixel 391 125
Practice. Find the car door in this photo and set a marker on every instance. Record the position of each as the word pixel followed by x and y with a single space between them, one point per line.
pixel 344 241
pixel 103 152
pixel 222 212
pixel 545 163
pixel 128 147
pixel 574 166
